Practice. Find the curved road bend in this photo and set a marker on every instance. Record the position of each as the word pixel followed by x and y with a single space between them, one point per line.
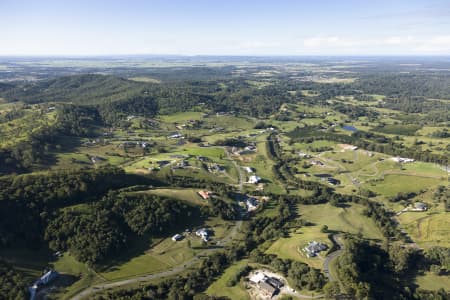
pixel 332 255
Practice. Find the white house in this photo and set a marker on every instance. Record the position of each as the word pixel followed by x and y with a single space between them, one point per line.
pixel 203 233
pixel 402 159
pixel 177 237
pixel 248 169
pixel 175 136
pixel 254 179
pixel 252 203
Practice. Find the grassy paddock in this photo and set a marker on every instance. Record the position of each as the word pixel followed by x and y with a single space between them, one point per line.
pixel 393 184
pixel 220 289
pixel 433 282
pixel 428 229
pixel 188 195
pixel 343 219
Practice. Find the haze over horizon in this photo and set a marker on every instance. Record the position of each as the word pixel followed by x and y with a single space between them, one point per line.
pixel 200 27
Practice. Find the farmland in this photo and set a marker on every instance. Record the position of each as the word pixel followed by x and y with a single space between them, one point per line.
pixel 115 176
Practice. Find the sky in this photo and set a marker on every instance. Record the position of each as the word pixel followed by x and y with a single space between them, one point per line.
pixel 227 27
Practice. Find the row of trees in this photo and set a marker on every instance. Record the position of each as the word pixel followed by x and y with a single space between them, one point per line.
pixel 368 141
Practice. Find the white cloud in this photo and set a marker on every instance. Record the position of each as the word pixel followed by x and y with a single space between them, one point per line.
pixel 394 45
pixel 331 41
pixel 434 45
pixel 399 40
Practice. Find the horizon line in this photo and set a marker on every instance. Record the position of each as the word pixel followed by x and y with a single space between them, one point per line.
pixel 214 55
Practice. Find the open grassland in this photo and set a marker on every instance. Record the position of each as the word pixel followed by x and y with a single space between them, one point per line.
pixel 188 195
pixel 220 288
pixel 427 229
pixel 181 117
pixel 348 218
pixel 145 79
pixel 433 282
pixel 230 122
pixel 333 80
pixel 69 267
pixel 391 185
pixel 291 247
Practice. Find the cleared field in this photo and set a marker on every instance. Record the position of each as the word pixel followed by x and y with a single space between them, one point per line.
pixel 291 247
pixel 433 282
pixel 343 219
pixel 161 256
pixel 182 117
pixel 145 79
pixel 188 195
pixel 230 122
pixel 310 93
pixel 147 256
pixel 393 184
pixel 425 169
pixel 71 269
pixel 334 80
pixel 427 229
pixel 220 289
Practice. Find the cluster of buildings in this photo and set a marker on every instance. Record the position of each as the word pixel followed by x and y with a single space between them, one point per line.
pixel 269 286
pixel 203 233
pixel 348 147
pixel 254 179
pixel 213 168
pixel 251 203
pixel 250 149
pixel 402 159
pixel 303 154
pixel 313 248
pixel 176 135
pixel 132 144
pixel 316 162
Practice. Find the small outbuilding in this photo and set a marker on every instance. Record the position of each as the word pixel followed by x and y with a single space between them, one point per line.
pixel 177 237
pixel 420 206
pixel 254 179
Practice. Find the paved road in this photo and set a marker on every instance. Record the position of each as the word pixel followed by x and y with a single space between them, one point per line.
pixel 331 256
pixel 238 168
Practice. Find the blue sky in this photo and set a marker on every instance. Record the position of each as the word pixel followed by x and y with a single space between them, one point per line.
pixel 200 27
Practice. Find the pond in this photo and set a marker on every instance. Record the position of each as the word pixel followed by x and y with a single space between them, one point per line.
pixel 350 128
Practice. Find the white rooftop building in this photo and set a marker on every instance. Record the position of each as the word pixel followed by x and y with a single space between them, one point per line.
pixel 254 179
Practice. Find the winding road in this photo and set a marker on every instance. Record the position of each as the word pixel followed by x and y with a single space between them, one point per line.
pixel 326 264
